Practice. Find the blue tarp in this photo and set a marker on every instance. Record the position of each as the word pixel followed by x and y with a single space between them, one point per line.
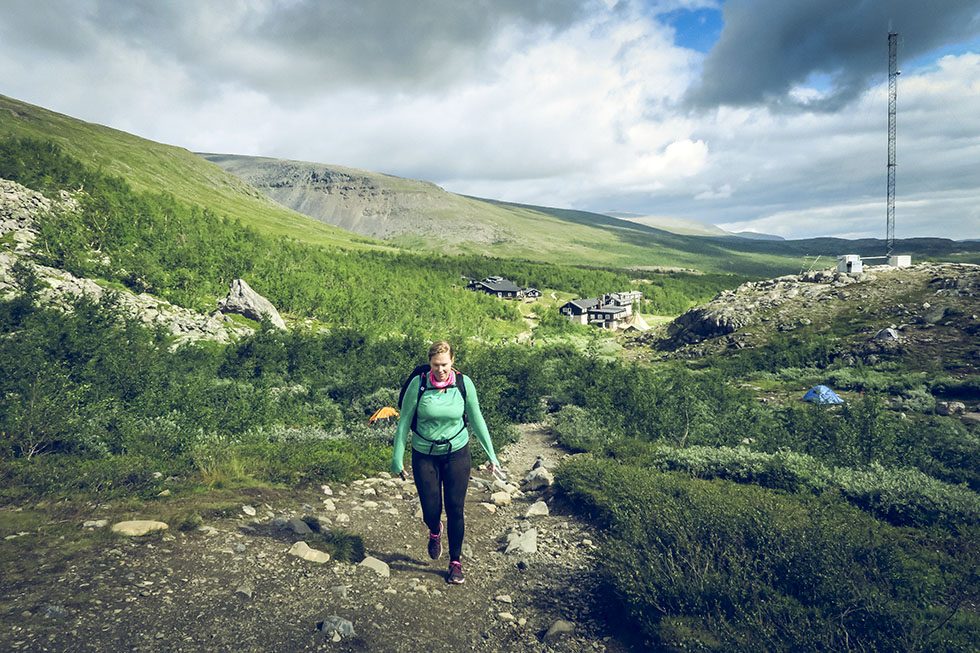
pixel 821 394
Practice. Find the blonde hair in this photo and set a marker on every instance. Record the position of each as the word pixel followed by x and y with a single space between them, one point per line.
pixel 441 347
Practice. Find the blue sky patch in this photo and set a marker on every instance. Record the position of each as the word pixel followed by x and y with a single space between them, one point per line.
pixel 695 29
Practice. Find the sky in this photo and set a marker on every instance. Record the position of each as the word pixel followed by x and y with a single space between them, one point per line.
pixel 755 115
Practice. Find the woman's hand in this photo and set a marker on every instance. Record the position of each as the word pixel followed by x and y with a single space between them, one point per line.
pixel 497 471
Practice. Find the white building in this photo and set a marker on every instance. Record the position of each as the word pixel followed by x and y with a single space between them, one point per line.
pixel 850 264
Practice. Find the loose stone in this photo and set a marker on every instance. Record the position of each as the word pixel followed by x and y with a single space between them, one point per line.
pixel 537 509
pixel 379 567
pixel 303 550
pixel 138 528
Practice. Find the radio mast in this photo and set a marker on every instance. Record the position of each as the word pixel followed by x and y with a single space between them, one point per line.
pixel 893 74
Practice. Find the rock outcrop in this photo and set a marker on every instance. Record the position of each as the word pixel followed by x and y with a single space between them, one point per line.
pixel 19 210
pixel 243 300
pixel 819 297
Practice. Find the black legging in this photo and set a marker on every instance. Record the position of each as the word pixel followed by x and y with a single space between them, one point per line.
pixel 437 475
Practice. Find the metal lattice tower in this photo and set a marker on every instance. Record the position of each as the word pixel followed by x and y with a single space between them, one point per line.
pixel 892 120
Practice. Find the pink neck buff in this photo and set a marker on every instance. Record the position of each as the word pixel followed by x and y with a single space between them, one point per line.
pixel 450 380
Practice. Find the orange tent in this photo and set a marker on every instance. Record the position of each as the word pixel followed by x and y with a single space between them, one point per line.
pixel 383 413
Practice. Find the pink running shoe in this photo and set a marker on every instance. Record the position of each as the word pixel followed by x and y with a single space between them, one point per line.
pixel 455 575
pixel 435 544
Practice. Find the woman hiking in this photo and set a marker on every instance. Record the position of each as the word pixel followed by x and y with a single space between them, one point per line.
pixel 439 408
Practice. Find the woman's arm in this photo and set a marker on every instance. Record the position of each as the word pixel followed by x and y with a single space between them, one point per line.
pixel 404 425
pixel 475 419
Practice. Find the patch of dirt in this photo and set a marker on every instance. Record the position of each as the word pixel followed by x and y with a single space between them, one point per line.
pixel 232 586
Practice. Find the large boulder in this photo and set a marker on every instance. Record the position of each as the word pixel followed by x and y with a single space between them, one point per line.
pixel 243 300
pixel 707 322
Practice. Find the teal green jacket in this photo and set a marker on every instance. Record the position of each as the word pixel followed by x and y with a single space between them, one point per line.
pixel 440 417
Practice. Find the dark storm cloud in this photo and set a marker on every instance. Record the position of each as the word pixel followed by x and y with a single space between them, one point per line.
pixel 292 45
pixel 769 46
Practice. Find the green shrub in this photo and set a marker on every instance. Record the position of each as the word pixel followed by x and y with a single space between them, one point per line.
pixel 75 477
pixel 713 566
pixel 579 430
pixel 905 497
pixel 311 461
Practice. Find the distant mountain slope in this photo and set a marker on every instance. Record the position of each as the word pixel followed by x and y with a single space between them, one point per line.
pixel 364 202
pixel 755 235
pixel 419 214
pixel 680 226
pixel 152 166
pixel 687 227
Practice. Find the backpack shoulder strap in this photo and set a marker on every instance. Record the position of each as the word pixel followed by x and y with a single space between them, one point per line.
pixel 461 384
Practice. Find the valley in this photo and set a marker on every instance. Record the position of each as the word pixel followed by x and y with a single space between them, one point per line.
pixel 697 503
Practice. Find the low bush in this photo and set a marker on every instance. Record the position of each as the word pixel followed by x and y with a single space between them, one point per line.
pixel 579 430
pixel 74 476
pixel 904 497
pixel 290 462
pixel 713 566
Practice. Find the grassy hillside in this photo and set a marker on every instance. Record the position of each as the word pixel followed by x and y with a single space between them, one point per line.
pixel 152 166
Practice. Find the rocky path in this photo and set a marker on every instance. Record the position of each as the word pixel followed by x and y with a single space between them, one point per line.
pixel 233 585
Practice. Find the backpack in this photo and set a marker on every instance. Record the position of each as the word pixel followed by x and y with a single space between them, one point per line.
pixel 422 371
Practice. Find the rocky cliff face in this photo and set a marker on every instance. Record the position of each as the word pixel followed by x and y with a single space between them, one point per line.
pixel 364 202
pixel 19 210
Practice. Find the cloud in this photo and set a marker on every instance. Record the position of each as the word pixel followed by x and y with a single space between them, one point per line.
pixel 819 54
pixel 299 48
pixel 542 105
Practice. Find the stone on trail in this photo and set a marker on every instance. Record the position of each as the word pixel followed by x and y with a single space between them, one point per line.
pixel 246 590
pixel 96 523
pixel 489 507
pixel 501 498
pixel 248 510
pixel 332 626
pixel 506 616
pixel 503 598
pixel 558 629
pixel 303 550
pixel 539 479
pixel 138 527
pixel 343 518
pixel 526 542
pixel 380 567
pixel 329 505
pixel 537 509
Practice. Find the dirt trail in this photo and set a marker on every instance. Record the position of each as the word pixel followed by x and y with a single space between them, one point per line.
pixel 233 587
